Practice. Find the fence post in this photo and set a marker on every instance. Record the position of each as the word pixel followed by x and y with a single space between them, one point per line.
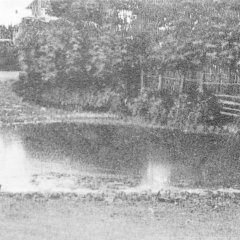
pixel 237 85
pixel 202 80
pixel 230 80
pixel 142 79
pixel 182 82
pixel 141 75
pixel 160 81
pixel 219 82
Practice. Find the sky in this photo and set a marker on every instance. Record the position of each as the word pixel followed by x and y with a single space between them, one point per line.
pixel 12 11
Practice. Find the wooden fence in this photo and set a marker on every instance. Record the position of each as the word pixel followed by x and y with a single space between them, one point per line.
pixel 214 79
pixel 223 83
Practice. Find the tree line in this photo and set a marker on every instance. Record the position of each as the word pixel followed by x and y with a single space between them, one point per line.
pixel 95 56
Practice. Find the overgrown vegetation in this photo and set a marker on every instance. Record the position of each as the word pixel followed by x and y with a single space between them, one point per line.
pixel 95 57
pixel 7 32
pixel 8 57
pixel 8 53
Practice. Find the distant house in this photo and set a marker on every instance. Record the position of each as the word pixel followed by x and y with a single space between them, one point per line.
pixel 38 8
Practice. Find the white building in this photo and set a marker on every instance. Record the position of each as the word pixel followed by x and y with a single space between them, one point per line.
pixel 38 8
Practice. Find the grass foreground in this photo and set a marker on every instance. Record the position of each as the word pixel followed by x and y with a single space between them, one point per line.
pixel 70 217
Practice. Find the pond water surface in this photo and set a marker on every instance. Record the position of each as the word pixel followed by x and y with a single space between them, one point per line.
pixel 52 157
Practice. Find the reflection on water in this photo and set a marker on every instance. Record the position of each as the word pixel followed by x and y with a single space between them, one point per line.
pixel 157 175
pixel 15 173
pixel 33 150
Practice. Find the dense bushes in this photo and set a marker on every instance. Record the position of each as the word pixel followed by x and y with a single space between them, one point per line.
pixel 151 105
pixel 7 32
pixel 8 57
pixel 162 107
pixel 80 48
pixel 8 53
pixel 90 99
pixel 98 64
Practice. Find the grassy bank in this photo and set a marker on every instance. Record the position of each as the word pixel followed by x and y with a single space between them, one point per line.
pixel 15 111
pixel 83 218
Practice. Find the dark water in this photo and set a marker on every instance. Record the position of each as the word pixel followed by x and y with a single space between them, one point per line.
pixel 155 157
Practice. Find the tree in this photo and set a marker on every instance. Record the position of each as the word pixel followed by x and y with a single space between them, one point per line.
pixel 100 46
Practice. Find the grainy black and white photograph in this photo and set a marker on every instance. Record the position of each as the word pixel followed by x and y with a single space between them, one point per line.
pixel 119 119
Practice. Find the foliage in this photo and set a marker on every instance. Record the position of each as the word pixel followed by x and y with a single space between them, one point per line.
pixel 8 57
pixel 152 106
pixel 181 112
pixel 184 35
pixel 192 34
pixel 6 32
pixel 110 45
pixel 90 100
pixel 190 111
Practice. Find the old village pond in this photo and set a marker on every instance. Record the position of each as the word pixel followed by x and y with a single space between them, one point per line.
pixel 79 157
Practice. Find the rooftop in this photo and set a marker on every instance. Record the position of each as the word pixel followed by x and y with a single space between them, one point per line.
pixel 43 4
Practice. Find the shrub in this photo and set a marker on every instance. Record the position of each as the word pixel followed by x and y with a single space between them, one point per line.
pixel 189 112
pixel 8 57
pixel 140 106
pixel 151 105
pixel 79 99
pixel 210 109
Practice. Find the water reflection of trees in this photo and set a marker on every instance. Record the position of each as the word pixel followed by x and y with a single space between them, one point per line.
pixel 132 150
